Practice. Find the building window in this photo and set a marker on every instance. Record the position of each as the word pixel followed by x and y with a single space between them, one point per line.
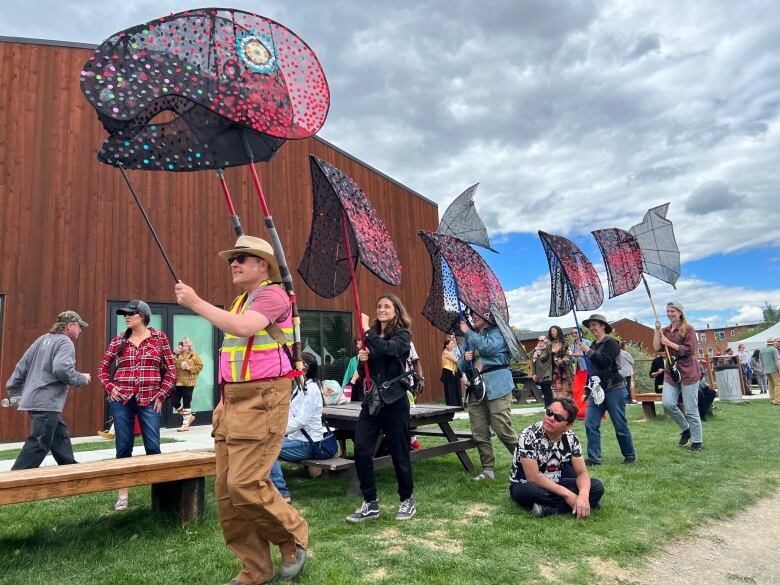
pixel 720 336
pixel 709 350
pixel 327 335
pixel 701 352
pixel 733 332
pixel 702 337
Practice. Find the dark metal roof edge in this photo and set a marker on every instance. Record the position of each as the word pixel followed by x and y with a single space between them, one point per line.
pixel 49 42
pixel 375 170
pixel 55 43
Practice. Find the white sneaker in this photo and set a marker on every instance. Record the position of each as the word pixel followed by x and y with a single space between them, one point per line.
pixel 487 474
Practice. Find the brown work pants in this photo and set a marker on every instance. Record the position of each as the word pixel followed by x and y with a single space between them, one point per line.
pixel 248 437
pixel 774 387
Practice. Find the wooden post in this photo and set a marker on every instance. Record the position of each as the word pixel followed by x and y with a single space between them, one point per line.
pixel 184 499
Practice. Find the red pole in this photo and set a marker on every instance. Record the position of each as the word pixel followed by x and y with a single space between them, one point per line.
pixel 259 189
pixel 234 219
pixel 355 298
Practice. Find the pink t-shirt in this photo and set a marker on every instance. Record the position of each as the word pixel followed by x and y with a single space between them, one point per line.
pixel 273 303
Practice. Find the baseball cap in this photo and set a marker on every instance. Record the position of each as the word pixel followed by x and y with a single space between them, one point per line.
pixel 135 306
pixel 71 317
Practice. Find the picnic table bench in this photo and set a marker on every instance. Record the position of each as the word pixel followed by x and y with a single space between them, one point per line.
pixel 345 416
pixel 178 481
pixel 648 400
pixel 529 388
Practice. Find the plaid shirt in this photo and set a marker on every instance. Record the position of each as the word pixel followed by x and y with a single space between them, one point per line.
pixel 138 369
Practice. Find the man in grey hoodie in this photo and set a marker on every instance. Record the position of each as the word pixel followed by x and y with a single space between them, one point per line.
pixel 40 385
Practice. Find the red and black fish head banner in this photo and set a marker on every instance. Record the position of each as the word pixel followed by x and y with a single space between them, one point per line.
pixel 573 280
pixel 622 258
pixel 247 69
pixel 324 265
pixel 459 274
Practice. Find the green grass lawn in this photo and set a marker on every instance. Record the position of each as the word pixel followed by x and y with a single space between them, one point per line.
pixel 79 447
pixel 464 532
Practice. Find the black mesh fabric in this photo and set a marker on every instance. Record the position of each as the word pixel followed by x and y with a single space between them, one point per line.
pixel 236 85
pixel 622 258
pixel 660 254
pixel 196 140
pixel 248 68
pixel 459 272
pixel 324 265
pixel 574 282
pixel 462 221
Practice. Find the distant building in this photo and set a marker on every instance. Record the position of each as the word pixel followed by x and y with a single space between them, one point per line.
pixel 714 340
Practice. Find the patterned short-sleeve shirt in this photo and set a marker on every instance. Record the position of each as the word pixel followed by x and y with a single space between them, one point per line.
pixel 534 444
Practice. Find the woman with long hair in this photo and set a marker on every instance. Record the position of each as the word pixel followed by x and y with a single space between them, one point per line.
pixel 304 425
pixel 449 368
pixel 188 366
pixel 680 339
pixel 143 378
pixel 562 375
pixel 387 349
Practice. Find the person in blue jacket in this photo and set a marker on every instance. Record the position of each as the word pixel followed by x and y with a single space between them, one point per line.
pixel 488 353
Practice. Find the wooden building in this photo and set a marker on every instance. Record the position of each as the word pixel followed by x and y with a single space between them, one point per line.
pixel 72 238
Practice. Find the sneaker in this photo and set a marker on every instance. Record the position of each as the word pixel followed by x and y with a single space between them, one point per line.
pixel 416 444
pixel 539 511
pixel 591 462
pixel 695 446
pixel 487 474
pixel 629 461
pixel 406 510
pixel 685 436
pixel 367 511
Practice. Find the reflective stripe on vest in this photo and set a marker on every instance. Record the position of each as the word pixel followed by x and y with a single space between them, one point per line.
pixel 266 356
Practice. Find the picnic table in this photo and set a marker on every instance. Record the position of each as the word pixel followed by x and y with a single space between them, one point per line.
pixel 345 416
pixel 525 387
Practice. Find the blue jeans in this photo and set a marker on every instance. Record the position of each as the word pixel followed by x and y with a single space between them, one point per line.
pixel 691 420
pixel 124 417
pixel 615 404
pixel 292 451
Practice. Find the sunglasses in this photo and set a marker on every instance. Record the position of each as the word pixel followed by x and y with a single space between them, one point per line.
pixel 241 258
pixel 131 313
pixel 557 417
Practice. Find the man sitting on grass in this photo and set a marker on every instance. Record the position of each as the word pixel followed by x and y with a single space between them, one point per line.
pixel 549 475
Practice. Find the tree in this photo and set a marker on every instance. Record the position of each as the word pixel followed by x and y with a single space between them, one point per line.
pixel 771 314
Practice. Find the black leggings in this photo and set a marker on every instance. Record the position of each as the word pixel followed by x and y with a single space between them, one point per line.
pixel 182 393
pixel 393 422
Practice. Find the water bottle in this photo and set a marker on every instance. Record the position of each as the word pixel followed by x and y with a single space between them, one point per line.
pixel 8 402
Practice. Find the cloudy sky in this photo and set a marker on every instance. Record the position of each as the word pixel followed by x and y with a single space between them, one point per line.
pixel 572 116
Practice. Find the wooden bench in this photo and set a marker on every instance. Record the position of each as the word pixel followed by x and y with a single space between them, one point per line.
pixel 178 481
pixel 648 401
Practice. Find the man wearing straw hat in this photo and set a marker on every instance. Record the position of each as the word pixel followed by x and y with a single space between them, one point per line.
pixel 40 385
pixel 249 423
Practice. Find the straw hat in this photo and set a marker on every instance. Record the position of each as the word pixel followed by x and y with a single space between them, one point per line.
pixel 256 247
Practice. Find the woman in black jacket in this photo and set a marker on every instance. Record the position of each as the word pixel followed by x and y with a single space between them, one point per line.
pixel 387 348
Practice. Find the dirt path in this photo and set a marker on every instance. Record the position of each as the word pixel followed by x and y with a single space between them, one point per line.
pixel 737 551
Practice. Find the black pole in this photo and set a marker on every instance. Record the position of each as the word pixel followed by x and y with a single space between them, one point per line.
pixel 149 223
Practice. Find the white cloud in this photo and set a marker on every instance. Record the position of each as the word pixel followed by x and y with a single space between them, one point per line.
pixel 705 303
